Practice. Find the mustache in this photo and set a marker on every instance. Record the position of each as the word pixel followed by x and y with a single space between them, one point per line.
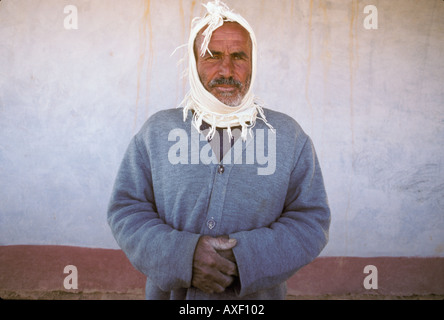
pixel 225 81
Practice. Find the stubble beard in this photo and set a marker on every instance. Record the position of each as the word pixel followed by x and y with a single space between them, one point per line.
pixel 231 99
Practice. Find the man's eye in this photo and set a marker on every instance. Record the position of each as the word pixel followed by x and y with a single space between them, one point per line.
pixel 238 57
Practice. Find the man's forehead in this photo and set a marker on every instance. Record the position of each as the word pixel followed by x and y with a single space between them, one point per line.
pixel 231 34
pixel 230 31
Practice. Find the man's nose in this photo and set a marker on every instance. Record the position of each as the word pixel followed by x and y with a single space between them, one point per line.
pixel 226 68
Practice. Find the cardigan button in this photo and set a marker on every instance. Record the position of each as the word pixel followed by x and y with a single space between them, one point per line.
pixel 220 169
pixel 211 224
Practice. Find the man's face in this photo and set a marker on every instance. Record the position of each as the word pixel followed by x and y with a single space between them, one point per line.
pixel 227 73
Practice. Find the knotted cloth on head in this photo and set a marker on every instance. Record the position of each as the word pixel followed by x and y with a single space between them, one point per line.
pixel 207 107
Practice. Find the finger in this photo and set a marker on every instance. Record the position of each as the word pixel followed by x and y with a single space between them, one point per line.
pixel 211 286
pixel 225 280
pixel 222 243
pixel 226 266
pixel 227 254
pixel 212 280
pixel 221 282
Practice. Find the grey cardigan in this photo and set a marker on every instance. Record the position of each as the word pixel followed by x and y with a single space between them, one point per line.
pixel 170 190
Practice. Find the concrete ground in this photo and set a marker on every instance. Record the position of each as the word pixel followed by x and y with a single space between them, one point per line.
pixel 139 295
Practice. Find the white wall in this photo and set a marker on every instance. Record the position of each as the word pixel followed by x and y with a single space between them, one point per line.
pixel 372 100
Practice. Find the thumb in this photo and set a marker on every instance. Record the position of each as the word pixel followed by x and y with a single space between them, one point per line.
pixel 222 243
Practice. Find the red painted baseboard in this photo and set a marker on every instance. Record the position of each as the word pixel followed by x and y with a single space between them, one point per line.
pixel 41 269
pixel 395 276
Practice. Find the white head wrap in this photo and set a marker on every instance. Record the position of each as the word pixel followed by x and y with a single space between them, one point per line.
pixel 206 107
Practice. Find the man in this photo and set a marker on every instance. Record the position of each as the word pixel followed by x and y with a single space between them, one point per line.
pixel 201 216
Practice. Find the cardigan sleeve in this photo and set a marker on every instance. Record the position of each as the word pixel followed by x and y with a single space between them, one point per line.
pixel 163 254
pixel 270 255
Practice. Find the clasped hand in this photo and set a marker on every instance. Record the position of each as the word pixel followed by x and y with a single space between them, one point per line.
pixel 214 264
